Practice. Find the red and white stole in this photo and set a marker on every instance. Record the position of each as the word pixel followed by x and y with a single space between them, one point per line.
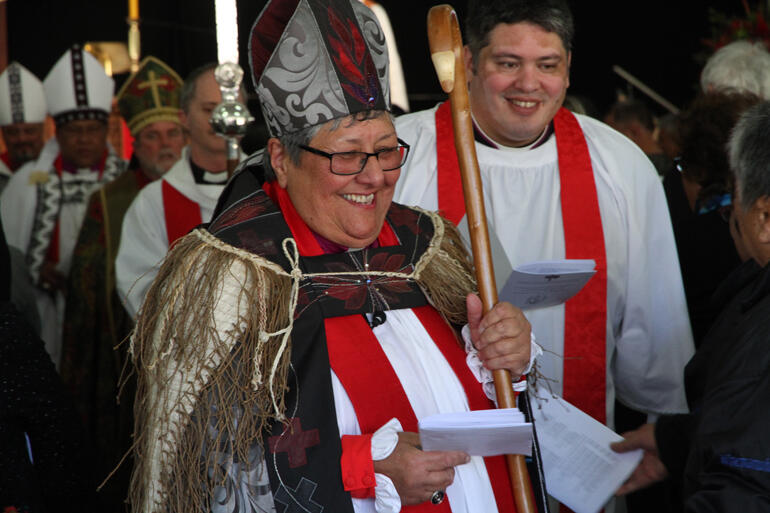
pixel 356 356
pixel 585 345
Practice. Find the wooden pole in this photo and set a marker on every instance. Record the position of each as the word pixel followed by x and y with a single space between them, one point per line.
pixel 447 53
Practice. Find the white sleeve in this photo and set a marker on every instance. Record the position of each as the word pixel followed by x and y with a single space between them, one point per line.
pixel 17 209
pixel 484 375
pixel 143 245
pixel 655 341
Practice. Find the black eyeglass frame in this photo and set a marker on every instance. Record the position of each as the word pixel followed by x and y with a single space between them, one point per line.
pixel 376 154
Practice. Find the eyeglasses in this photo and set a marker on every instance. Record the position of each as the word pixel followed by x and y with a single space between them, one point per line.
pixel 353 162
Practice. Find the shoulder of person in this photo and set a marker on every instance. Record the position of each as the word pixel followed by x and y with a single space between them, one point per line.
pixel 415 121
pixel 616 152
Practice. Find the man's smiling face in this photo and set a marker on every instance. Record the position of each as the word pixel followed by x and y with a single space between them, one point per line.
pixel 518 82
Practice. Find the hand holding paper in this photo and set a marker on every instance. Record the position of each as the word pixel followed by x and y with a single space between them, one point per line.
pixel 478 433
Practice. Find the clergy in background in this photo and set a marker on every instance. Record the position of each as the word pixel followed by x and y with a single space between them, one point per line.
pixel 44 203
pixel 22 114
pixel 96 323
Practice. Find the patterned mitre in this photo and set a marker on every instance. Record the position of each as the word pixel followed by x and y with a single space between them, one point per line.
pixel 149 95
pixel 78 88
pixel 21 96
pixel 317 60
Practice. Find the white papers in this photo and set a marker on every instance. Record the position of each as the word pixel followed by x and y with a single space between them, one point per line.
pixel 581 470
pixel 479 433
pixel 546 283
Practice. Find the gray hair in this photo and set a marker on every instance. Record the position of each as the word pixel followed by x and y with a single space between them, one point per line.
pixel 292 142
pixel 741 66
pixel 483 16
pixel 750 154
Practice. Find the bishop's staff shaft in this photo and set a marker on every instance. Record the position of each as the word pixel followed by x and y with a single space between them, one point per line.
pixel 446 49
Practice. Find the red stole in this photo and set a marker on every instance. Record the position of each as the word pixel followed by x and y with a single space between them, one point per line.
pixel 355 356
pixel 585 337
pixel 181 213
pixel 6 158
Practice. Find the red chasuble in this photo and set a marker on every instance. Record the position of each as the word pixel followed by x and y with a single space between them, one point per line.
pixel 182 214
pixel 585 337
pixel 355 356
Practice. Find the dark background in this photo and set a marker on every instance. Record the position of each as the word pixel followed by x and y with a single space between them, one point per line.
pixel 658 41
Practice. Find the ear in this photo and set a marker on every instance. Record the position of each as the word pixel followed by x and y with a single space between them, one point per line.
pixel 468 61
pixel 762 207
pixel 183 120
pixel 279 160
pixel 569 67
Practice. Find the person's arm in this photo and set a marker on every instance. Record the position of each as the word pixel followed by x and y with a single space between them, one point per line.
pixel 654 340
pixel 143 245
pixel 729 466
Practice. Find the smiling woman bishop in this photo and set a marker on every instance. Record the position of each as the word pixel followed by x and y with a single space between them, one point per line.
pixel 286 351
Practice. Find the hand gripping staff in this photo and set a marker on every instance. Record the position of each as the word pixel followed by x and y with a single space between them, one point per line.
pixel 446 51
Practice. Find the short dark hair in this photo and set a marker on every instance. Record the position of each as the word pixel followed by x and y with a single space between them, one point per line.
pixel 190 83
pixel 624 111
pixel 750 154
pixel 484 15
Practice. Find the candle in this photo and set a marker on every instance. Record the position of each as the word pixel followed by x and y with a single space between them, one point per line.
pixel 133 9
pixel 227 31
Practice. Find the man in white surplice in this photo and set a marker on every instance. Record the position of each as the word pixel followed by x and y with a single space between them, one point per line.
pixel 517 62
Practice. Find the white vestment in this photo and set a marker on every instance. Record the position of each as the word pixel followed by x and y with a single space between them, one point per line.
pixel 144 241
pixel 648 333
pixel 29 225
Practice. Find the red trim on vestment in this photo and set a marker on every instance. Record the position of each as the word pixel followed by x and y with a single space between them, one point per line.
pixel 181 213
pixel 357 466
pixel 585 339
pixel 6 158
pixel 356 355
pixel 126 140
pixel 307 244
pixel 440 332
pixel 451 202
pixel 585 316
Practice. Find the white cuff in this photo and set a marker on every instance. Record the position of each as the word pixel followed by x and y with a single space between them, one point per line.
pixel 484 375
pixel 386 499
pixel 384 441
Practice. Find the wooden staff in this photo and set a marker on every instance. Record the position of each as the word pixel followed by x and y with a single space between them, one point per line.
pixel 446 49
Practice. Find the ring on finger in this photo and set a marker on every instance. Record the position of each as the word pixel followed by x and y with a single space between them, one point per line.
pixel 437 497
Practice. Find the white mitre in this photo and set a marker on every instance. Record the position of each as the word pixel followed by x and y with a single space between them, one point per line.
pixel 78 88
pixel 21 96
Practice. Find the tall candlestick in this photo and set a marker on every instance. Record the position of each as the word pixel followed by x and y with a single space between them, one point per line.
pixel 227 31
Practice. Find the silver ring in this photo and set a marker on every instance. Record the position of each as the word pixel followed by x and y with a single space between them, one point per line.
pixel 437 497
